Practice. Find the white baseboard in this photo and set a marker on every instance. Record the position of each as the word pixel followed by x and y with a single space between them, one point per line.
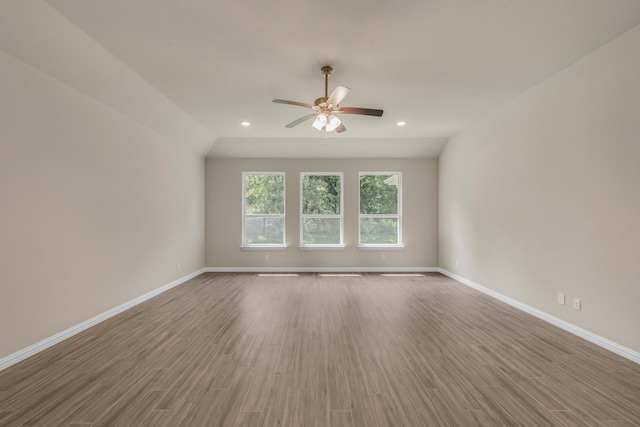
pixel 321 269
pixel 48 342
pixel 14 358
pixel 582 333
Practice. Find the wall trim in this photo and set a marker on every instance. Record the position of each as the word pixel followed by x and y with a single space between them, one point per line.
pixel 18 356
pixel 569 327
pixel 321 269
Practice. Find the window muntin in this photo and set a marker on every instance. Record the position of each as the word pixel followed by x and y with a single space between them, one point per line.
pixel 321 217
pixel 380 209
pixel 263 212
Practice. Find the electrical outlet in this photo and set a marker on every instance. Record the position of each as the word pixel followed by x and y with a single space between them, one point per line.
pixel 382 257
pixel 178 266
pixel 266 257
pixel 577 305
pixel 561 298
pixel 457 263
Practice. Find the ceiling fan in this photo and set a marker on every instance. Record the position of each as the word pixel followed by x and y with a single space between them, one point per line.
pixel 326 108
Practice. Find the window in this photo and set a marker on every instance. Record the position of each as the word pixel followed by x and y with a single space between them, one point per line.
pixel 321 209
pixel 380 209
pixel 263 209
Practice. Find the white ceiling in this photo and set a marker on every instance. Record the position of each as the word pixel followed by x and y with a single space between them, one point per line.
pixel 439 65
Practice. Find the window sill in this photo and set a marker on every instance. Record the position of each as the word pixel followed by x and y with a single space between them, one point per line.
pixel 264 248
pixel 321 247
pixel 380 247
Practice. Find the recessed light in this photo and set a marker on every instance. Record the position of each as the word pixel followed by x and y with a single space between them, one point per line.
pixel 245 124
pixel 401 123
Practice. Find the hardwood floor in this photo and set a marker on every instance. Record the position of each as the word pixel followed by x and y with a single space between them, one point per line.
pixel 243 350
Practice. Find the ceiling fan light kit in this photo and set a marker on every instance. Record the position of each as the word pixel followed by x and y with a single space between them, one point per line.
pixel 327 107
pixel 320 122
pixel 332 123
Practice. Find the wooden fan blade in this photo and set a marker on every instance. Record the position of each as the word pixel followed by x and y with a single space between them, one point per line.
pixel 338 95
pixel 299 104
pixel 300 120
pixel 363 111
pixel 341 128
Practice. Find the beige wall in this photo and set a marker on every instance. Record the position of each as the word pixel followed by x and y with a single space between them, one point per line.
pixel 95 208
pixel 224 214
pixel 543 196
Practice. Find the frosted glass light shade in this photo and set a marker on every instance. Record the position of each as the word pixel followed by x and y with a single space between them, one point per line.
pixel 320 121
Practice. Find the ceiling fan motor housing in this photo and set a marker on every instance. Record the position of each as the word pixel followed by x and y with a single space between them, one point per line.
pixel 321 100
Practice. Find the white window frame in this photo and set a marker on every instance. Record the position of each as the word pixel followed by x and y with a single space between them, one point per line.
pixel 340 245
pixel 253 246
pixel 397 216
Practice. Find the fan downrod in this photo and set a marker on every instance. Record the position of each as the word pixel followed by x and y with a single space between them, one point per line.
pixel 326 72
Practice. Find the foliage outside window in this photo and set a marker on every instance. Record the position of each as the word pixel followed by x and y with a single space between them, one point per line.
pixel 263 209
pixel 321 209
pixel 380 209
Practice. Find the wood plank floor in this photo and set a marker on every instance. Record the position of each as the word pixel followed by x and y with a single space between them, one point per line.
pixel 242 350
